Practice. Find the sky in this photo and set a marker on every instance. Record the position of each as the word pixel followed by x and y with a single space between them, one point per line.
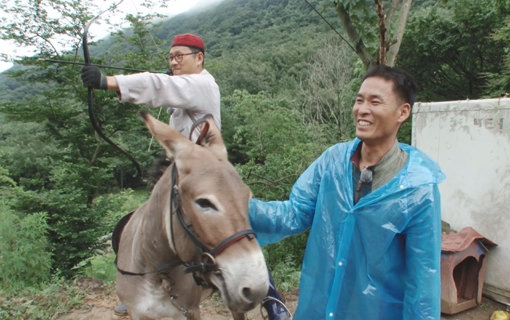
pixel 12 51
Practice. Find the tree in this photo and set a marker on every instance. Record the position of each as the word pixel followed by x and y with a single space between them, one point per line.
pixel 268 141
pixel 35 23
pixel 24 245
pixel 63 166
pixel 452 47
pixel 53 26
pixel 271 146
pixel 328 91
pixel 375 28
pixel 499 82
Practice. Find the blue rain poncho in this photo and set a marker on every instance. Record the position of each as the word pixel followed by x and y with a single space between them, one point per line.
pixel 377 259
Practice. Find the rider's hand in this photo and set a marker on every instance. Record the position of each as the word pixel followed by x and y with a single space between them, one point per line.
pixel 93 78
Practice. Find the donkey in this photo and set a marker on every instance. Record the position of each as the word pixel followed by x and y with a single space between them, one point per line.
pixel 191 236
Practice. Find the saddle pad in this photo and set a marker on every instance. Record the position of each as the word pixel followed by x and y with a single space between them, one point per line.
pixel 118 231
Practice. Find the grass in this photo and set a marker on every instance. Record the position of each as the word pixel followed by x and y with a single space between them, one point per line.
pixel 59 296
pixel 51 300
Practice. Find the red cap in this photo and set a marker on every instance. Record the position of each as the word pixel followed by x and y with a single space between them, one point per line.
pixel 189 40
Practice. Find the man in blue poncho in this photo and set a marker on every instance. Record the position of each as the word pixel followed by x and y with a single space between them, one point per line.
pixel 373 209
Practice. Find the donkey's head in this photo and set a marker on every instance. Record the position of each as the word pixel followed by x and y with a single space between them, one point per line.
pixel 214 203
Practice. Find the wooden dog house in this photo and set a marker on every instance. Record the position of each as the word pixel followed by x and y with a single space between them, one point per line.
pixel 463 264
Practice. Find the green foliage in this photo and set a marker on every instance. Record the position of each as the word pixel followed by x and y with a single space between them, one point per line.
pixel 136 48
pixel 449 48
pixel 330 89
pixel 74 228
pixel 26 259
pixel 285 273
pixel 113 206
pixel 55 298
pixel 100 266
pixel 268 141
pixel 99 262
pixel 61 185
pixel 28 166
pixel 287 254
pixel 254 45
pixel 499 82
pixel 287 85
pixel 24 244
pixel 33 23
pixel 271 146
pixel 362 14
pixel 7 184
pixel 64 166
pixel 116 205
pixel 14 88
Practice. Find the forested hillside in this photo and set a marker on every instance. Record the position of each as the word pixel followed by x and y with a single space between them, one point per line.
pixel 252 45
pixel 287 80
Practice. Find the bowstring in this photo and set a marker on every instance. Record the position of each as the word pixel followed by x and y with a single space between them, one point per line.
pixel 152 136
pixel 155 45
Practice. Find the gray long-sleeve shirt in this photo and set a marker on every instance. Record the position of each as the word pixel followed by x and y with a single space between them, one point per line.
pixel 191 96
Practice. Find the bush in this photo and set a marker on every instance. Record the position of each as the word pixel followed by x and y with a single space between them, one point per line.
pixel 24 247
pixel 100 267
pixel 115 206
pixel 50 301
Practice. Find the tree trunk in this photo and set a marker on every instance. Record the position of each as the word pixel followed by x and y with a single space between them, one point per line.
pixel 394 46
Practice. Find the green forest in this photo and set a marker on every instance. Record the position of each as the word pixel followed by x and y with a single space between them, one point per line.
pixel 288 71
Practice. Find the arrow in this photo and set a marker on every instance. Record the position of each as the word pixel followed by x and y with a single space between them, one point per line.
pixel 96 65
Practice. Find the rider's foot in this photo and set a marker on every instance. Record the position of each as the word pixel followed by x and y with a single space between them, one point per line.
pixel 276 310
pixel 274 306
pixel 121 310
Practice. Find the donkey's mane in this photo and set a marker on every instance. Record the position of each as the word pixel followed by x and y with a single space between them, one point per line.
pixel 155 172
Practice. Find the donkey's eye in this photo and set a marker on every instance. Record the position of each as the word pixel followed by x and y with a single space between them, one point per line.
pixel 205 204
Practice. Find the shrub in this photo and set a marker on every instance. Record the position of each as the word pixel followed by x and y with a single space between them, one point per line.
pixel 50 301
pixel 25 255
pixel 99 267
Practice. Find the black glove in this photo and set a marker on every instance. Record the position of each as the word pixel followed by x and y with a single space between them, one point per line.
pixel 93 78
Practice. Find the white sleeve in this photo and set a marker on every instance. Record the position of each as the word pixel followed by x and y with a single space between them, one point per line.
pixel 194 92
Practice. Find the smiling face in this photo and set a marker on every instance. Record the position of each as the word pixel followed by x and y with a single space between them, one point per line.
pixel 379 112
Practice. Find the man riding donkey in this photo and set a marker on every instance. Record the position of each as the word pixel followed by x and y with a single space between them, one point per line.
pixel 189 93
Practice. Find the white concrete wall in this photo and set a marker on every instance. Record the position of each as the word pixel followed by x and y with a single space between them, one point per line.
pixel 471 142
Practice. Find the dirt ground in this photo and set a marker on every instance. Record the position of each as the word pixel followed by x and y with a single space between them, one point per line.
pixel 101 301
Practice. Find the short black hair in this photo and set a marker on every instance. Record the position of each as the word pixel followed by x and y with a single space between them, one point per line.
pixel 403 83
pixel 197 49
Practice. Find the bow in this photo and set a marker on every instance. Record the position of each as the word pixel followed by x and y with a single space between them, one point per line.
pixel 90 98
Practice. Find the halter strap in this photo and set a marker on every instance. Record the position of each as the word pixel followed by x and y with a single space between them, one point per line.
pixel 248 233
pixel 175 204
pixel 175 207
pixel 164 267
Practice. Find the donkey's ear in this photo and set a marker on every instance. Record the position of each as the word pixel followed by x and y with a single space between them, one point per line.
pixel 171 140
pixel 210 137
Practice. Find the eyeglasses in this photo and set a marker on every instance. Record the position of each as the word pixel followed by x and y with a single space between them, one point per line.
pixel 179 56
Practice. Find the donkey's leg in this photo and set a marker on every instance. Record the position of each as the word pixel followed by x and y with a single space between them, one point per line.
pixel 238 316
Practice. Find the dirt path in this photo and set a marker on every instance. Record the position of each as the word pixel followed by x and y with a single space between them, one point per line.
pixel 101 301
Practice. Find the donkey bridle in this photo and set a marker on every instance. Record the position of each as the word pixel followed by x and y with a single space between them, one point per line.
pixel 192 267
pixel 202 267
